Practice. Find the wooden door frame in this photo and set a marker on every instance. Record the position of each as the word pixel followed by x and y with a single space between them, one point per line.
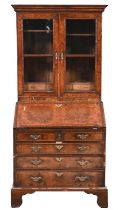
pixel 98 17
pixel 20 59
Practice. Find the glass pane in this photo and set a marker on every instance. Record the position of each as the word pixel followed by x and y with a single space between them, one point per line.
pixel 79 70
pixel 80 54
pixel 80 45
pixel 38 54
pixel 38 43
pixel 80 26
pixel 39 71
pixel 38 24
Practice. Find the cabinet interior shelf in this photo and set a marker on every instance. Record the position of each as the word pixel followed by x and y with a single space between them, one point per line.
pixel 38 55
pixel 78 34
pixel 80 55
pixel 47 31
pixel 67 55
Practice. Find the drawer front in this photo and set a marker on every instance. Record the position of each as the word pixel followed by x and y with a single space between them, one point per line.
pixel 58 136
pixel 59 162
pixel 69 148
pixel 83 136
pixel 35 136
pixel 58 179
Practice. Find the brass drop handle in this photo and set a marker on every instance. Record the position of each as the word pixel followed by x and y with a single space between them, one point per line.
pixel 81 178
pixel 83 148
pixel 59 159
pixel 36 162
pixel 82 162
pixel 59 174
pixel 36 178
pixel 35 148
pixel 59 147
pixel 82 136
pixel 35 136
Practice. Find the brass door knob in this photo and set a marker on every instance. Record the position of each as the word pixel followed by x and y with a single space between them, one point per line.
pixel 62 55
pixel 56 55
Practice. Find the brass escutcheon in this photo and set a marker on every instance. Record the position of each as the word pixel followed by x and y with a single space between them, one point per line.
pixel 59 105
pixel 35 148
pixel 59 147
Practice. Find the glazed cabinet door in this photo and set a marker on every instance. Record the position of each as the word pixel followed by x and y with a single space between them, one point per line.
pixel 79 53
pixel 37 53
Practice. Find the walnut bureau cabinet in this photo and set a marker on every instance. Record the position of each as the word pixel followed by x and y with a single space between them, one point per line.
pixel 59 124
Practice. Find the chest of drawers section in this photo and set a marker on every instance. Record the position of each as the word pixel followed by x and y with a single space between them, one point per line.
pixel 59 158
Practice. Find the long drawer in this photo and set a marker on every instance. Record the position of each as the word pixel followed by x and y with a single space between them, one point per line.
pixel 58 179
pixel 59 162
pixel 64 148
pixel 71 135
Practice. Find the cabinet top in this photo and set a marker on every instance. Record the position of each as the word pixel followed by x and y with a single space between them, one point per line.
pixel 46 43
pixel 73 8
